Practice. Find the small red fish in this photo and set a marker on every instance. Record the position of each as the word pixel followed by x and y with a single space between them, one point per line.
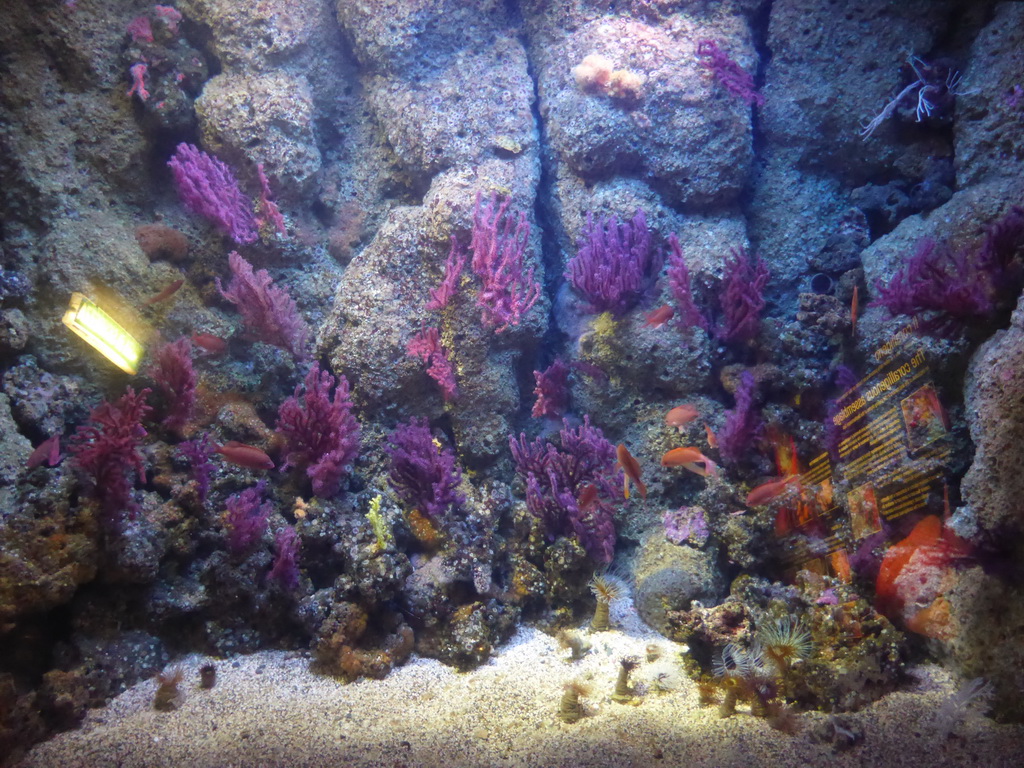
pixel 587 497
pixel 690 458
pixel 47 451
pixel 166 293
pixel 712 438
pixel 630 470
pixel 659 317
pixel 248 456
pixel 766 492
pixel 681 415
pixel 215 345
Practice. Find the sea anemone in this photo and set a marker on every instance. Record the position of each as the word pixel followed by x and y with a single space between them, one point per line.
pixel 576 643
pixel 623 692
pixel 606 588
pixel 570 709
pixel 785 641
pixel 168 694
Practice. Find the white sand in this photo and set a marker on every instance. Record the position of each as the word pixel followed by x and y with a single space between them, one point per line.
pixel 268 709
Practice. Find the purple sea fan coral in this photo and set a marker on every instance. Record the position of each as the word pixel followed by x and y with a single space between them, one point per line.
pixel 731 75
pixel 555 479
pixel 499 239
pixel 614 263
pixel 176 379
pixel 423 474
pixel 321 434
pixel 742 297
pixel 199 454
pixel 268 312
pixel 208 187
pixel 246 518
pixel 742 424
pixel 107 449
pixel 950 287
pixel 285 570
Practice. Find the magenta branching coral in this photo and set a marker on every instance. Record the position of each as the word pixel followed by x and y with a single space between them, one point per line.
pixel 426 345
pixel 321 434
pixel 742 297
pixel 552 390
pixel 269 313
pixel 679 281
pixel 442 295
pixel 176 380
pixel 507 289
pixel 107 450
pixel 731 75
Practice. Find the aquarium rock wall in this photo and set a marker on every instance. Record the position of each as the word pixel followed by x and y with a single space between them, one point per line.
pixel 366 329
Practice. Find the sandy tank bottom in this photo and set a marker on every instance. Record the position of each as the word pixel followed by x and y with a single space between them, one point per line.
pixel 268 710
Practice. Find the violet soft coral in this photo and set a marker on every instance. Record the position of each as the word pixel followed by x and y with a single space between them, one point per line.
pixel 321 434
pixel 269 313
pixel 555 478
pixel 199 455
pixel 246 518
pixel 285 569
pixel 742 297
pixel 743 424
pixel 949 288
pixel 615 263
pixel 208 187
pixel 423 474
pixel 107 450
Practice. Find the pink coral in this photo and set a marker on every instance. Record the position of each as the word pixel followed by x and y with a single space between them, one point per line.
pixel 426 345
pixel 269 312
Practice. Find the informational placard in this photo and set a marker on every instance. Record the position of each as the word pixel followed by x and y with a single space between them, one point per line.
pixel 893 449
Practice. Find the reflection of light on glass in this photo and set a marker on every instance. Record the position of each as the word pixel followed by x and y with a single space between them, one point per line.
pixel 104 333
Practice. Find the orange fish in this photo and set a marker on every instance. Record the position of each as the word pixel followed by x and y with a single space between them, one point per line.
pixel 248 456
pixel 712 439
pixel 784 447
pixel 853 313
pixel 587 497
pixel 659 317
pixel 47 452
pixel 690 458
pixel 681 415
pixel 166 293
pixel 215 345
pixel 631 471
pixel 766 492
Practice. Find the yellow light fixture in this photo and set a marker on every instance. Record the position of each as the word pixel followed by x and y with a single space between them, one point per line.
pixel 104 333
